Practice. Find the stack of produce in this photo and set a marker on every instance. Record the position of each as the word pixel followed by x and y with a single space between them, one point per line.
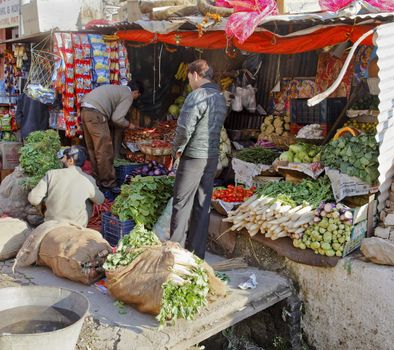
pixel 264 144
pixel 181 73
pixel 225 83
pixel 257 155
pixel 176 107
pixel 233 194
pixel 144 199
pixel 311 132
pixel 367 127
pixel 354 156
pixel 280 209
pixel 302 153
pixel 153 168
pixel 367 102
pixel 38 155
pixel 330 232
pixel 274 125
pixel 224 149
pixel 135 157
pixel 186 284
pixel 138 135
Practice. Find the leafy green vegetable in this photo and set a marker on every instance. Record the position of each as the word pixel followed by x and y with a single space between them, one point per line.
pixel 186 300
pixel 38 155
pixel 257 155
pixel 144 199
pixel 354 156
pixel 130 247
pixel 310 192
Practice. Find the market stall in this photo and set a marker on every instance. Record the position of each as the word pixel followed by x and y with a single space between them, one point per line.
pixel 298 176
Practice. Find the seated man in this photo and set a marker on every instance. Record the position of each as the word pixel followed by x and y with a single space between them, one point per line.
pixel 67 192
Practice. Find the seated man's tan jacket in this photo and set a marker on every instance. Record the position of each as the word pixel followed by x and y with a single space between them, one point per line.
pixel 67 193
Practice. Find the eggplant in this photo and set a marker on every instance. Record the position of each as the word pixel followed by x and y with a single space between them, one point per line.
pixel 157 172
pixel 151 173
pixel 154 162
pixel 145 169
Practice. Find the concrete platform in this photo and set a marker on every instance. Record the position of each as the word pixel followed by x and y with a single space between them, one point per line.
pixel 134 330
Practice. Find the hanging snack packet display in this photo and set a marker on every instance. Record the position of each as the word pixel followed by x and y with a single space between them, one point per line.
pixel 82 66
pixel 100 60
pixel 124 73
pixel 114 62
pixel 68 94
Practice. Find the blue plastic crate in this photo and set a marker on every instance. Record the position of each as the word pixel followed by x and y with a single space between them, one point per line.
pixel 113 229
pixel 123 170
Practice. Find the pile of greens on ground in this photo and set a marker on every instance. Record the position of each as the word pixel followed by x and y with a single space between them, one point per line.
pixel 139 237
pixel 354 156
pixel 310 192
pixel 38 155
pixel 144 199
pixel 257 155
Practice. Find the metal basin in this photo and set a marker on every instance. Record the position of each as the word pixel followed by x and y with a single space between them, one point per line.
pixel 38 318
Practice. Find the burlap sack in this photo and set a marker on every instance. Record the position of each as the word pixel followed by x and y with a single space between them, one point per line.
pixel 13 233
pixel 378 250
pixel 28 254
pixel 74 253
pixel 140 283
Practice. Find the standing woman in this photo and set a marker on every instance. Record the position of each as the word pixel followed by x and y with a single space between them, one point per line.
pixel 197 145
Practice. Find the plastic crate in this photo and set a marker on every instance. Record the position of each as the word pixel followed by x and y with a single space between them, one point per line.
pixel 113 229
pixel 243 120
pixel 326 112
pixel 123 170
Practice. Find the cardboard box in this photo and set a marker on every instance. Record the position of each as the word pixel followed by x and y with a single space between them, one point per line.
pixel 9 152
pixel 43 15
pixel 359 232
pixel 130 11
pixel 298 6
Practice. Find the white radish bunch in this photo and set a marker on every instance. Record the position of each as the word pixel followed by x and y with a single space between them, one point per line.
pixel 271 217
pixel 184 265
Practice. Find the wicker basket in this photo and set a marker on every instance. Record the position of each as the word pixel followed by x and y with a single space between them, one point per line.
pixel 154 151
pixel 282 141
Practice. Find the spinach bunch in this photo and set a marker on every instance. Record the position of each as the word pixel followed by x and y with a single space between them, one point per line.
pixel 310 192
pixel 38 155
pixel 144 199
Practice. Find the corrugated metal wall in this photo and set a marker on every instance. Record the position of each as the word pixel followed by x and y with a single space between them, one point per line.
pixel 297 65
pixel 385 134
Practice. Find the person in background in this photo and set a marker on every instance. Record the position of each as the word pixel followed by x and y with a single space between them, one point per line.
pixel 31 115
pixel 68 193
pixel 102 109
pixel 196 145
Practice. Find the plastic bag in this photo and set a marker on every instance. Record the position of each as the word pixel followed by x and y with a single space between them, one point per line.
pixel 336 5
pixel 248 16
pixel 162 226
pixel 236 103
pixel 248 98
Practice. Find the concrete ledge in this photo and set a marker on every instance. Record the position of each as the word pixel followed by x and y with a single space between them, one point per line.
pixel 350 306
